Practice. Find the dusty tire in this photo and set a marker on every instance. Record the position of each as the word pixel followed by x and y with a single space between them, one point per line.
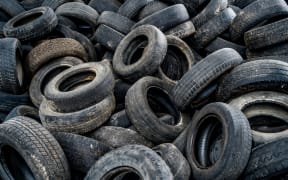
pixel 78 122
pixel 146 102
pixel 24 110
pixel 131 68
pixel 134 160
pixel 52 49
pixel 42 21
pixel 104 5
pixel 119 119
pixel 37 153
pixel 130 8
pixel 10 101
pixel 183 30
pixel 11 8
pixel 81 152
pixel 235 130
pixel 203 73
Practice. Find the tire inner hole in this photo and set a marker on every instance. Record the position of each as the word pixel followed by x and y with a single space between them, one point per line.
pixel 209 142
pixel 13 163
pixel 162 105
pixel 76 81
pixel 123 173
pixel 267 117
pixel 27 19
pixel 83 27
pixel 20 73
pixel 175 64
pixel 135 50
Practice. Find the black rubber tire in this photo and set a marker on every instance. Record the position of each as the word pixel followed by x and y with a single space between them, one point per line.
pixel 11 7
pixel 171 71
pixel 2 117
pixel 78 122
pixel 242 3
pixel 147 97
pixel 276 50
pixel 118 137
pixel 267 35
pixel 54 3
pixel 237 144
pixel 80 12
pixel 31 4
pixel 65 93
pixel 130 159
pixel 213 8
pixel 182 31
pixel 130 8
pixel 268 161
pixel 252 76
pixel 116 21
pixel 119 119
pixel 181 141
pixel 107 37
pixel 213 28
pixel 24 110
pixel 203 73
pixel 220 43
pixel 81 152
pixel 120 90
pixel 12 76
pixel 150 8
pixel 175 14
pixel 177 163
pixel 45 74
pixel 4 17
pixel 29 151
pixel 279 58
pixel 150 60
pixel 256 13
pixel 42 21
pixel 64 21
pixel 104 5
pixel 10 101
pixel 272 105
pixel 53 49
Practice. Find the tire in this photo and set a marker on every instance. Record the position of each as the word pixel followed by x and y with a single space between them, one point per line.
pixel 149 62
pixel 45 74
pixel 181 141
pixel 256 13
pixel 213 8
pixel 12 76
pixel 150 8
pixel 177 163
pixel 275 50
pixel 182 31
pixel 2 117
pixel 268 105
pixel 81 152
pixel 116 21
pixel 81 12
pixel 268 161
pixel 130 8
pixel 235 129
pixel 78 122
pixel 24 110
pixel 243 3
pixel 134 160
pixel 107 37
pixel 146 102
pixel 213 28
pixel 177 14
pixel 120 90
pixel 64 21
pixel 31 150
pixel 11 8
pixel 4 17
pixel 10 101
pixel 80 86
pixel 104 5
pixel 53 4
pixel 52 49
pixel 31 4
pixel 257 38
pixel 34 28
pixel 119 119
pixel 202 74
pixel 220 43
pixel 254 76
pixel 171 71
pixel 82 39
pixel 118 137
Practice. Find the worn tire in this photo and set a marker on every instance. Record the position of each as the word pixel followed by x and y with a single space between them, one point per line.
pixel 130 8
pixel 132 68
pixel 53 3
pixel 27 143
pixel 104 5
pixel 10 101
pixel 24 110
pixel 182 31
pixel 150 8
pixel 135 160
pixel 11 7
pixel 203 73
pixel 237 144
pixel 119 119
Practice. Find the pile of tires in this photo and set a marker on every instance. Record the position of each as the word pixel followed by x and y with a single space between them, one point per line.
pixel 143 89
